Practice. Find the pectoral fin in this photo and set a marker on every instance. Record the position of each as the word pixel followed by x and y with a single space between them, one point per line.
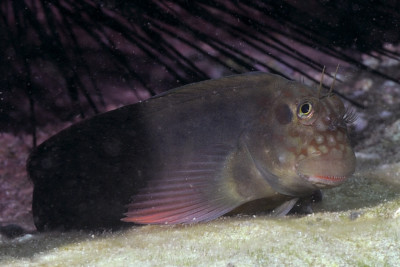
pixel 200 191
pixel 285 208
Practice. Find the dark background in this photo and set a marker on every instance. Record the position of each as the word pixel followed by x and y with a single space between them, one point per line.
pixel 74 58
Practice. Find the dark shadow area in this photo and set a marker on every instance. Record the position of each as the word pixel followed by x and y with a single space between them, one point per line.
pixel 71 58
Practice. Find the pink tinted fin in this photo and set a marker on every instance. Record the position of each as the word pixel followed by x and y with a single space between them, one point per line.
pixel 197 192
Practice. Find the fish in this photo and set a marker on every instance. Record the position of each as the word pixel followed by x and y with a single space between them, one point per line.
pixel 193 154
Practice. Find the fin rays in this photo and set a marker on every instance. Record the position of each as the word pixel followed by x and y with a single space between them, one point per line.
pixel 193 193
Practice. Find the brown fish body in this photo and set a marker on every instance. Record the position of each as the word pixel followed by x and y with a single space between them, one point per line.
pixel 192 154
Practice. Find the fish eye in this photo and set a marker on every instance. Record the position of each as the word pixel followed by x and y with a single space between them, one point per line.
pixel 305 110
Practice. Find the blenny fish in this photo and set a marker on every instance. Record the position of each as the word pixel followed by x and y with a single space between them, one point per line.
pixel 193 154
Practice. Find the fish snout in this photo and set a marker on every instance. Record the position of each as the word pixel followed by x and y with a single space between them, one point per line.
pixel 331 162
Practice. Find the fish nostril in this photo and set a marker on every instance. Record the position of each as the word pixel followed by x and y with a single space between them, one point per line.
pixel 334 123
pixel 330 123
pixel 332 127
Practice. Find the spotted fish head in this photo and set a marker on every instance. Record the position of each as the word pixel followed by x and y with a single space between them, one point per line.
pixel 302 142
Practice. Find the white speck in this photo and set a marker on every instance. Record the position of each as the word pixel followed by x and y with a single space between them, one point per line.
pixel 319 139
pixel 389 83
pixel 396 214
pixel 385 114
pixel 361 155
pixel 282 158
pixel 360 124
pixel 24 238
pixel 364 84
pixel 370 61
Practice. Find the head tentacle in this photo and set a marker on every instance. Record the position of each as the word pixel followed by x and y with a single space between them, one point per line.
pixel 334 80
pixel 320 83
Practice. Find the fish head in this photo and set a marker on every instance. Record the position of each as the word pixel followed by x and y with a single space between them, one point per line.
pixel 300 143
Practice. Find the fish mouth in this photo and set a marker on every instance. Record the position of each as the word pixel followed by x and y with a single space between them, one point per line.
pixel 324 174
pixel 327 170
pixel 326 180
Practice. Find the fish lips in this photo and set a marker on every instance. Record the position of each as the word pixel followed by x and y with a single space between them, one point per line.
pixel 325 171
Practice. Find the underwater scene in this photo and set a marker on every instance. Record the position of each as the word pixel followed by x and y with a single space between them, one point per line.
pixel 200 133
